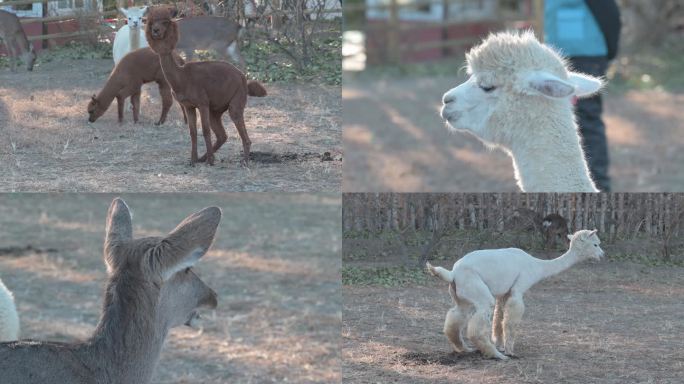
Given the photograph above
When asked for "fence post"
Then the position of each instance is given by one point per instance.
(393, 38)
(538, 23)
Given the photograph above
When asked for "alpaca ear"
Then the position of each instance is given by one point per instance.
(569, 237)
(549, 85)
(585, 85)
(592, 233)
(144, 10)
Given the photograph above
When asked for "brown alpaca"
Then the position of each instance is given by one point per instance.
(135, 69)
(213, 87)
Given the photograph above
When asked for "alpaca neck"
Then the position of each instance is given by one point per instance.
(553, 267)
(110, 90)
(127, 342)
(553, 160)
(172, 71)
(134, 38)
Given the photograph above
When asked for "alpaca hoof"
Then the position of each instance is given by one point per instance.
(244, 163)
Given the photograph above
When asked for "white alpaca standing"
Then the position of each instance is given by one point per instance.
(9, 320)
(131, 36)
(497, 279)
(519, 99)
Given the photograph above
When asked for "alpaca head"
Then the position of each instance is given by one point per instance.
(512, 76)
(161, 31)
(95, 109)
(134, 15)
(587, 244)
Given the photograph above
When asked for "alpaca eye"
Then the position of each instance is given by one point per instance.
(487, 89)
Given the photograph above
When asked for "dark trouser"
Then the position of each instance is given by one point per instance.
(591, 125)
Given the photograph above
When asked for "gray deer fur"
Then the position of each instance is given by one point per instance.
(151, 288)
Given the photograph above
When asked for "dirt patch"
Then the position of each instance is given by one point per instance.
(48, 145)
(610, 322)
(396, 141)
(275, 266)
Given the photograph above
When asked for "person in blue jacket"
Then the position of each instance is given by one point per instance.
(587, 31)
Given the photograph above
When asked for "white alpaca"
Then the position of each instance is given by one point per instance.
(497, 279)
(9, 320)
(131, 36)
(519, 99)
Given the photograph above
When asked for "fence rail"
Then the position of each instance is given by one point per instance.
(618, 214)
(397, 31)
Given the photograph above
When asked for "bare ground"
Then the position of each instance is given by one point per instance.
(395, 141)
(46, 143)
(611, 322)
(275, 266)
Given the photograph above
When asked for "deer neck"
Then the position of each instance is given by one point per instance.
(127, 342)
(552, 160)
(173, 73)
(553, 267)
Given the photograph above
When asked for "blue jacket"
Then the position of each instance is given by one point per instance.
(570, 26)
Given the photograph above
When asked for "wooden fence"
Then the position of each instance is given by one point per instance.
(94, 18)
(618, 214)
(397, 32)
(81, 16)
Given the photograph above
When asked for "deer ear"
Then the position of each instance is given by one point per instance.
(186, 244)
(118, 229)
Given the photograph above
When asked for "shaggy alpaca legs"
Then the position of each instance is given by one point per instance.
(206, 132)
(478, 332)
(513, 313)
(497, 324)
(454, 324)
(192, 125)
(167, 101)
(120, 108)
(219, 131)
(239, 121)
(135, 102)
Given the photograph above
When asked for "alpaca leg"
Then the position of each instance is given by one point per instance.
(206, 132)
(135, 103)
(167, 100)
(497, 326)
(120, 102)
(472, 289)
(219, 131)
(454, 326)
(479, 328)
(12, 54)
(513, 313)
(192, 125)
(236, 114)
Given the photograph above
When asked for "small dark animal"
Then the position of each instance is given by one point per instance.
(135, 69)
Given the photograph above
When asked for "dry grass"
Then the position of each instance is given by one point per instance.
(47, 144)
(275, 266)
(395, 141)
(596, 323)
